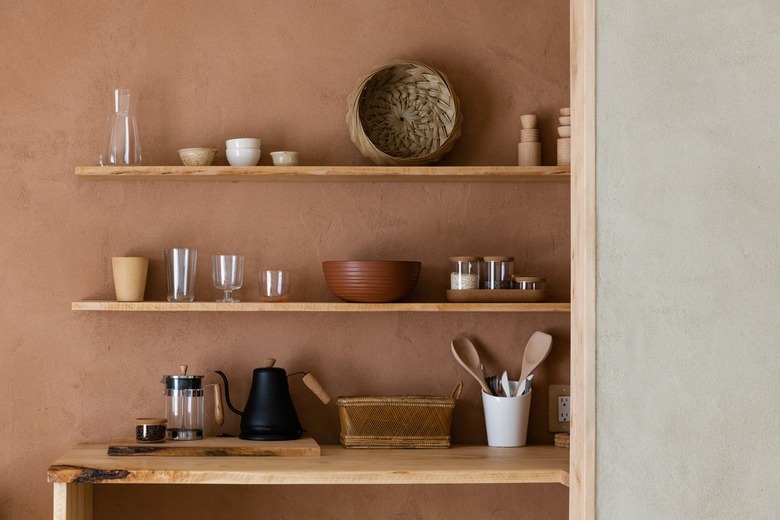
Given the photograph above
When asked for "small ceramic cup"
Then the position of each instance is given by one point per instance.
(197, 156)
(130, 277)
(285, 158)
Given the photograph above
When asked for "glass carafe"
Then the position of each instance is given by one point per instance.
(184, 406)
(121, 146)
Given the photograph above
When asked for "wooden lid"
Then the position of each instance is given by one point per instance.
(520, 278)
(151, 420)
(465, 258)
(499, 259)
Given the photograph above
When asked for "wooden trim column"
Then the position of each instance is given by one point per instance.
(72, 501)
(582, 491)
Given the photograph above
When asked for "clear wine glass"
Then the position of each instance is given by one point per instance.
(228, 274)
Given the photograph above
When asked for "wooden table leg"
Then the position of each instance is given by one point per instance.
(72, 501)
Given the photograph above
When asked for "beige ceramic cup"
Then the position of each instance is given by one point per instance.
(285, 158)
(130, 277)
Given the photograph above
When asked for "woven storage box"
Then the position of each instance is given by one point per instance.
(397, 421)
(404, 113)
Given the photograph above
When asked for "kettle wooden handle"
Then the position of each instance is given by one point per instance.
(311, 382)
(268, 362)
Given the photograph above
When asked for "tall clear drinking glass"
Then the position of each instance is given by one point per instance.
(180, 264)
(227, 272)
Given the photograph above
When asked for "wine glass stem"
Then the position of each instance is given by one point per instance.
(228, 296)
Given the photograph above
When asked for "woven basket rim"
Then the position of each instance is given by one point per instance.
(398, 405)
(369, 149)
(347, 400)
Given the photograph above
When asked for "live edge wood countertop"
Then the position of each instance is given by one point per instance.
(90, 464)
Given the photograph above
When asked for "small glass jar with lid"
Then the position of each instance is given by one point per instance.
(528, 283)
(497, 272)
(465, 272)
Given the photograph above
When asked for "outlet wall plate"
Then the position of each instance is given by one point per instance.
(556, 406)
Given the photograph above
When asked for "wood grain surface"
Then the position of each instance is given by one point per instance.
(217, 447)
(329, 173)
(582, 496)
(95, 305)
(89, 463)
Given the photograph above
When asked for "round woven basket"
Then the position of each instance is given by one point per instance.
(404, 113)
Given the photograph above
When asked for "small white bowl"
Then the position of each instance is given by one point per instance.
(285, 158)
(243, 142)
(564, 131)
(243, 156)
(565, 120)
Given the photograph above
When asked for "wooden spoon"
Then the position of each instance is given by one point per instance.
(536, 350)
(466, 354)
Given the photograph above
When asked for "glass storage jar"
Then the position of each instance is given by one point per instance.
(498, 272)
(150, 429)
(464, 272)
(528, 283)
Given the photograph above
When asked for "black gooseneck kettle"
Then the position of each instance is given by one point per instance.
(269, 414)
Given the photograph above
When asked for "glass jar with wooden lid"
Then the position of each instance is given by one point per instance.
(528, 283)
(498, 271)
(465, 272)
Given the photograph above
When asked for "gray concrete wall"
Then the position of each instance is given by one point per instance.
(688, 261)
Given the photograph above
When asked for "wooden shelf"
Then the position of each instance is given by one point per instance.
(90, 464)
(330, 173)
(316, 307)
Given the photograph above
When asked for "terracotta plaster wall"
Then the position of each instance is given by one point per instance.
(282, 71)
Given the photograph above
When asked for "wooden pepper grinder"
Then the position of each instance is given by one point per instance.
(529, 150)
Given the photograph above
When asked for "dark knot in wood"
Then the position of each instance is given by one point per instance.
(82, 475)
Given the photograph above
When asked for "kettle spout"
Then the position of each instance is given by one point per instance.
(227, 393)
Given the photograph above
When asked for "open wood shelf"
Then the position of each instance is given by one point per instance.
(317, 307)
(332, 173)
(90, 464)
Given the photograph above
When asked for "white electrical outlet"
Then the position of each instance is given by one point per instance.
(559, 408)
(563, 408)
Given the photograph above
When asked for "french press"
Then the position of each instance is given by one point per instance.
(184, 405)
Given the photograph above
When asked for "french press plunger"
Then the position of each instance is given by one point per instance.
(184, 405)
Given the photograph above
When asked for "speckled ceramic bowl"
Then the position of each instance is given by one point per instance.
(197, 156)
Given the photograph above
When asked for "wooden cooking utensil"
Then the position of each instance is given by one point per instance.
(466, 354)
(536, 350)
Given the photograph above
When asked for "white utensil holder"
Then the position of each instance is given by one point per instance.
(506, 418)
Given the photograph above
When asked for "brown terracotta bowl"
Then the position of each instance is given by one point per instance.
(371, 281)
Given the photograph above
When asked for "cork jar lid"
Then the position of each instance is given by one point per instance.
(151, 420)
(521, 278)
(465, 258)
(499, 259)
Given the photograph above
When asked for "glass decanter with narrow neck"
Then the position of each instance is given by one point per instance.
(122, 146)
